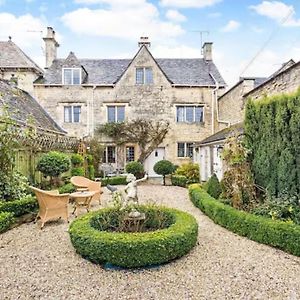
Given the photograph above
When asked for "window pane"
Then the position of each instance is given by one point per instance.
(180, 114)
(104, 158)
(189, 111)
(180, 150)
(111, 113)
(198, 114)
(120, 113)
(129, 154)
(76, 114)
(148, 76)
(76, 76)
(67, 114)
(111, 154)
(67, 76)
(139, 76)
(189, 150)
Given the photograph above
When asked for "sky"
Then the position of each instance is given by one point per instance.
(250, 37)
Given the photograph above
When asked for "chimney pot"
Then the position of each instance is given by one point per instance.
(144, 41)
(207, 51)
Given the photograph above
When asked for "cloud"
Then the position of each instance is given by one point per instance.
(277, 11)
(232, 25)
(122, 21)
(112, 2)
(189, 3)
(175, 15)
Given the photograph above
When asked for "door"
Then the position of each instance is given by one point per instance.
(217, 162)
(157, 155)
(205, 163)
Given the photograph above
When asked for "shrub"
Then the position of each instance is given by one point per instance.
(133, 250)
(53, 164)
(6, 220)
(136, 168)
(77, 160)
(118, 180)
(91, 172)
(190, 171)
(20, 207)
(179, 180)
(67, 189)
(278, 234)
(12, 186)
(213, 186)
(78, 171)
(163, 167)
(89, 159)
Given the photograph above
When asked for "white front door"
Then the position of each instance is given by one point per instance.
(217, 162)
(157, 155)
(205, 163)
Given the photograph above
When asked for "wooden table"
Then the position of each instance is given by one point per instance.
(82, 199)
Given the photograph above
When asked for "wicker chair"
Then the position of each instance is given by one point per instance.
(92, 186)
(52, 205)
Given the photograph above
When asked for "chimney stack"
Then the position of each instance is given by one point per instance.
(51, 46)
(207, 51)
(144, 41)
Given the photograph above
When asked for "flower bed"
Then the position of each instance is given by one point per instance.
(139, 249)
(263, 230)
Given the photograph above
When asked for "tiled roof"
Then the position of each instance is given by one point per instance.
(188, 72)
(22, 106)
(11, 56)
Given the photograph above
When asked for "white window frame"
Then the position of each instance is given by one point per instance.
(185, 149)
(144, 75)
(72, 114)
(72, 77)
(116, 112)
(194, 113)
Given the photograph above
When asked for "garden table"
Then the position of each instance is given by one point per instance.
(82, 199)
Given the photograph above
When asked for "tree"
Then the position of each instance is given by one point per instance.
(164, 167)
(146, 133)
(136, 168)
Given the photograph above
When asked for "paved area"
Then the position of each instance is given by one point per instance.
(42, 264)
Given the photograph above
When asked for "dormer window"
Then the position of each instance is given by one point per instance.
(71, 76)
(144, 76)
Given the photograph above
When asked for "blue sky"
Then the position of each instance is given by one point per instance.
(111, 28)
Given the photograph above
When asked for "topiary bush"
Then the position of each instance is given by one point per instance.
(78, 171)
(6, 220)
(132, 250)
(179, 180)
(77, 159)
(278, 234)
(20, 207)
(190, 171)
(136, 168)
(164, 167)
(67, 189)
(213, 187)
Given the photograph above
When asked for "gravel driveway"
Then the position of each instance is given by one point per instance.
(42, 264)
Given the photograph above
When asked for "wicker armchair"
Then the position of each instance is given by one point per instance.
(52, 205)
(92, 186)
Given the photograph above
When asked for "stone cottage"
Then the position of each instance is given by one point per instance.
(81, 94)
(16, 66)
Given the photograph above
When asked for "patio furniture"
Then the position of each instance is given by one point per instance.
(82, 199)
(52, 205)
(92, 186)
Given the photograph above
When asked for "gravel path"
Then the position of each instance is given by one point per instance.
(37, 264)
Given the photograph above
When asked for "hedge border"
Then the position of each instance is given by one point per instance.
(6, 221)
(132, 250)
(20, 207)
(277, 234)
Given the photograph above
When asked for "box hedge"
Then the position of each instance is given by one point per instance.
(179, 180)
(118, 180)
(20, 207)
(132, 250)
(6, 220)
(278, 234)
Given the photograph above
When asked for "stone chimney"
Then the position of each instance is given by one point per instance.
(144, 41)
(207, 50)
(50, 47)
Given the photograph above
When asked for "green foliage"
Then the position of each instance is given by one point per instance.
(90, 159)
(77, 160)
(190, 171)
(136, 168)
(272, 127)
(53, 163)
(133, 250)
(278, 234)
(164, 167)
(6, 220)
(67, 189)
(27, 204)
(96, 150)
(12, 186)
(213, 186)
(91, 172)
(179, 180)
(117, 180)
(78, 171)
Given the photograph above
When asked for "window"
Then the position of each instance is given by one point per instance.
(189, 114)
(72, 114)
(109, 154)
(144, 76)
(115, 114)
(185, 150)
(71, 76)
(129, 153)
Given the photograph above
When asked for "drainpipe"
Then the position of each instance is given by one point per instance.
(215, 102)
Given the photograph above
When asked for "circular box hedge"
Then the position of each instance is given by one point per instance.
(139, 249)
